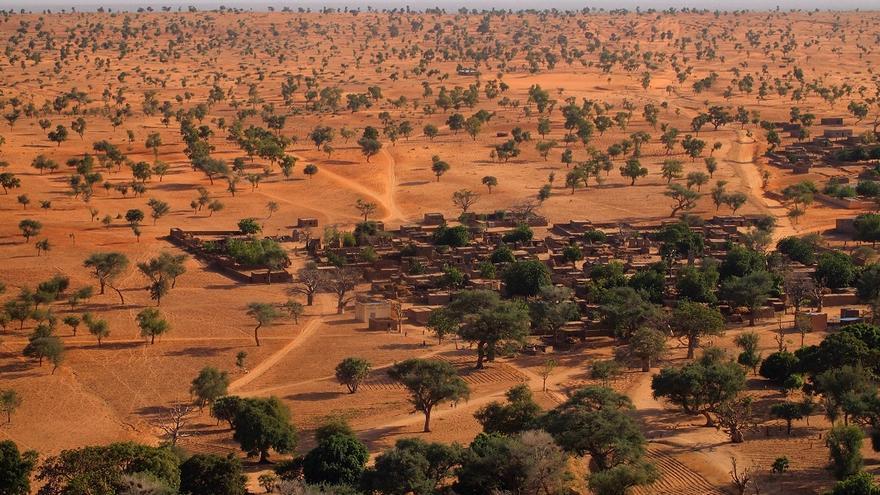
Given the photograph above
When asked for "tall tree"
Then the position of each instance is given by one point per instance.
(429, 382)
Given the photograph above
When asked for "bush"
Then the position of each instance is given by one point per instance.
(778, 366)
(457, 236)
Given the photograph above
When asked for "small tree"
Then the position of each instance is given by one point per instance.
(264, 314)
(490, 181)
(439, 167)
(366, 208)
(429, 382)
(633, 169)
(10, 401)
(209, 385)
(789, 412)
(29, 228)
(152, 324)
(464, 199)
(647, 344)
(351, 372)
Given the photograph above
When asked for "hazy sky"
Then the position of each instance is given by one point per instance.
(36, 5)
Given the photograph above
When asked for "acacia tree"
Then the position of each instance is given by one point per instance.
(152, 324)
(366, 208)
(464, 199)
(429, 382)
(264, 314)
(107, 267)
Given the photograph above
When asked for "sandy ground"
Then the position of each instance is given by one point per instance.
(118, 390)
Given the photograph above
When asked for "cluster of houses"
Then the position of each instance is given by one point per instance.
(393, 278)
(801, 156)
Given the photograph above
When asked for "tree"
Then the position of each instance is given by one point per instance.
(844, 445)
(158, 209)
(671, 169)
(309, 280)
(10, 401)
(366, 208)
(104, 470)
(520, 414)
(79, 126)
(777, 367)
(59, 135)
(619, 479)
(98, 328)
(748, 343)
(683, 198)
(490, 181)
(694, 321)
(263, 314)
(412, 466)
(341, 282)
(370, 146)
(735, 201)
(596, 421)
(464, 199)
(438, 166)
(750, 290)
(700, 387)
(789, 412)
(294, 310)
(711, 165)
(430, 131)
(210, 474)
(861, 483)
(249, 226)
(834, 270)
(339, 457)
(351, 372)
(43, 246)
(429, 382)
(43, 345)
(154, 140)
(647, 344)
(209, 385)
(489, 322)
(29, 228)
(633, 169)
(735, 417)
(867, 228)
(152, 324)
(525, 278)
(15, 469)
(263, 424)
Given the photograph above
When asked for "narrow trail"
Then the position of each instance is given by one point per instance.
(750, 176)
(385, 198)
(534, 382)
(278, 388)
(267, 364)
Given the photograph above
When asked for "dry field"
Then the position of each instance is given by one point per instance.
(115, 391)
